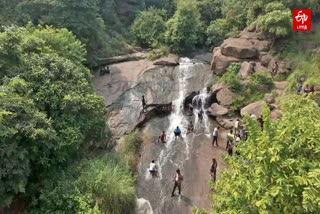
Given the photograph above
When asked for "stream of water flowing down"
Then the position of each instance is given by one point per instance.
(191, 153)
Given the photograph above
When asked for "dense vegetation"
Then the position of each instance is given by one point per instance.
(50, 119)
(278, 168)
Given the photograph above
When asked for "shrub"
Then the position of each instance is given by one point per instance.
(131, 147)
(232, 78)
(149, 27)
(96, 186)
(217, 32)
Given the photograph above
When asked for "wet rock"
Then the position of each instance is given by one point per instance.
(189, 98)
(221, 62)
(225, 97)
(269, 98)
(253, 108)
(226, 123)
(217, 110)
(205, 57)
(265, 60)
(245, 70)
(276, 114)
(239, 48)
(143, 207)
(171, 60)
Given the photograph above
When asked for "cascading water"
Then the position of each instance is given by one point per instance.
(180, 153)
(200, 104)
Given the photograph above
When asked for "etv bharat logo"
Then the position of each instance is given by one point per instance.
(301, 20)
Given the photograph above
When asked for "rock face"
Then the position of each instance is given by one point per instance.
(143, 207)
(269, 98)
(261, 45)
(245, 70)
(276, 114)
(225, 97)
(253, 108)
(217, 110)
(171, 60)
(239, 48)
(226, 123)
(221, 62)
(265, 59)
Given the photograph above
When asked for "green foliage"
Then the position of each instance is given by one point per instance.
(209, 10)
(253, 90)
(277, 19)
(48, 106)
(217, 32)
(96, 186)
(232, 78)
(149, 27)
(131, 147)
(184, 28)
(277, 167)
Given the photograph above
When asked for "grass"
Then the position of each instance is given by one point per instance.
(132, 143)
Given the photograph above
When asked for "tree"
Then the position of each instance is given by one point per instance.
(277, 169)
(210, 10)
(184, 28)
(149, 27)
(217, 32)
(276, 19)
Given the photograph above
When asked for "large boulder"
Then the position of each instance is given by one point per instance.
(258, 67)
(265, 59)
(276, 114)
(227, 123)
(253, 108)
(261, 45)
(269, 98)
(217, 110)
(216, 87)
(221, 62)
(225, 97)
(239, 48)
(245, 70)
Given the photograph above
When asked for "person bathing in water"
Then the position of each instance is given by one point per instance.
(200, 115)
(178, 179)
(163, 137)
(190, 128)
(153, 168)
(177, 132)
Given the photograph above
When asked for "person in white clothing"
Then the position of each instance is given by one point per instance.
(215, 136)
(153, 168)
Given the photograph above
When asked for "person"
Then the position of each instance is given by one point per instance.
(306, 89)
(190, 108)
(238, 139)
(144, 105)
(260, 120)
(236, 126)
(230, 149)
(230, 138)
(170, 107)
(153, 168)
(213, 170)
(190, 127)
(275, 68)
(163, 137)
(105, 70)
(299, 87)
(312, 89)
(200, 115)
(215, 136)
(178, 179)
(177, 132)
(253, 67)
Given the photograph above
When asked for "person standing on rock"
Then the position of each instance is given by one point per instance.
(275, 68)
(178, 179)
(153, 168)
(213, 170)
(215, 136)
(144, 105)
(200, 115)
(190, 128)
(230, 138)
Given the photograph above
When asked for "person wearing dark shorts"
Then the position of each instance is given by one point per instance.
(177, 132)
(215, 136)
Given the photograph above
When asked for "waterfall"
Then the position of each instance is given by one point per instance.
(200, 103)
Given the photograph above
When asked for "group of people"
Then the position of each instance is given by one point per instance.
(306, 90)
